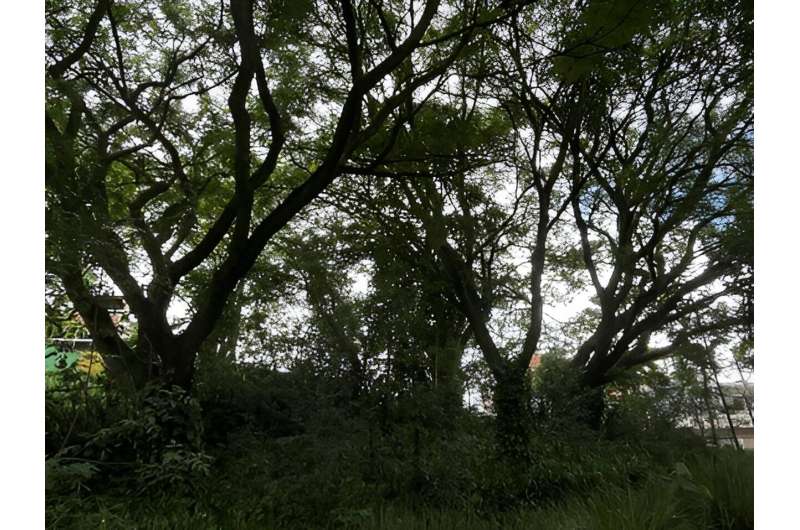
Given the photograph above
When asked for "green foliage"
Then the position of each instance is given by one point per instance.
(67, 477)
(679, 500)
(424, 202)
(150, 443)
(649, 405)
(282, 450)
(560, 399)
(162, 418)
(602, 29)
(176, 467)
(74, 404)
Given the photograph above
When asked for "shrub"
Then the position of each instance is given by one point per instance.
(151, 442)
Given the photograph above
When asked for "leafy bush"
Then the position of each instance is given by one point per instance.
(254, 398)
(65, 476)
(148, 442)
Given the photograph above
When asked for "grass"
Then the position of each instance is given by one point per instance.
(713, 490)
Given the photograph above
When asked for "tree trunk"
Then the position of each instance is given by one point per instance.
(697, 411)
(177, 363)
(512, 405)
(593, 407)
(179, 370)
(591, 401)
(709, 407)
(229, 340)
(725, 405)
(447, 375)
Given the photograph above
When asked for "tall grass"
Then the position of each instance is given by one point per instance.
(711, 490)
(720, 485)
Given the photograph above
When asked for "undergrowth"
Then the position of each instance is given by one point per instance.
(277, 454)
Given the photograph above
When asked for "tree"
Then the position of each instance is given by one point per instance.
(632, 131)
(497, 161)
(181, 137)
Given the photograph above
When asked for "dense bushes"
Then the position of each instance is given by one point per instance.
(677, 500)
(145, 443)
(287, 450)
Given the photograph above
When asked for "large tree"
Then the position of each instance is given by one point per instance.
(182, 136)
(631, 174)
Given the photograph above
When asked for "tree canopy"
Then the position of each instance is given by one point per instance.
(421, 178)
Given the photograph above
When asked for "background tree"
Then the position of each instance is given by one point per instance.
(632, 127)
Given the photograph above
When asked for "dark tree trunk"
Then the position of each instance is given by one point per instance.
(591, 401)
(512, 405)
(179, 370)
(125, 368)
(177, 363)
(593, 407)
(447, 375)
